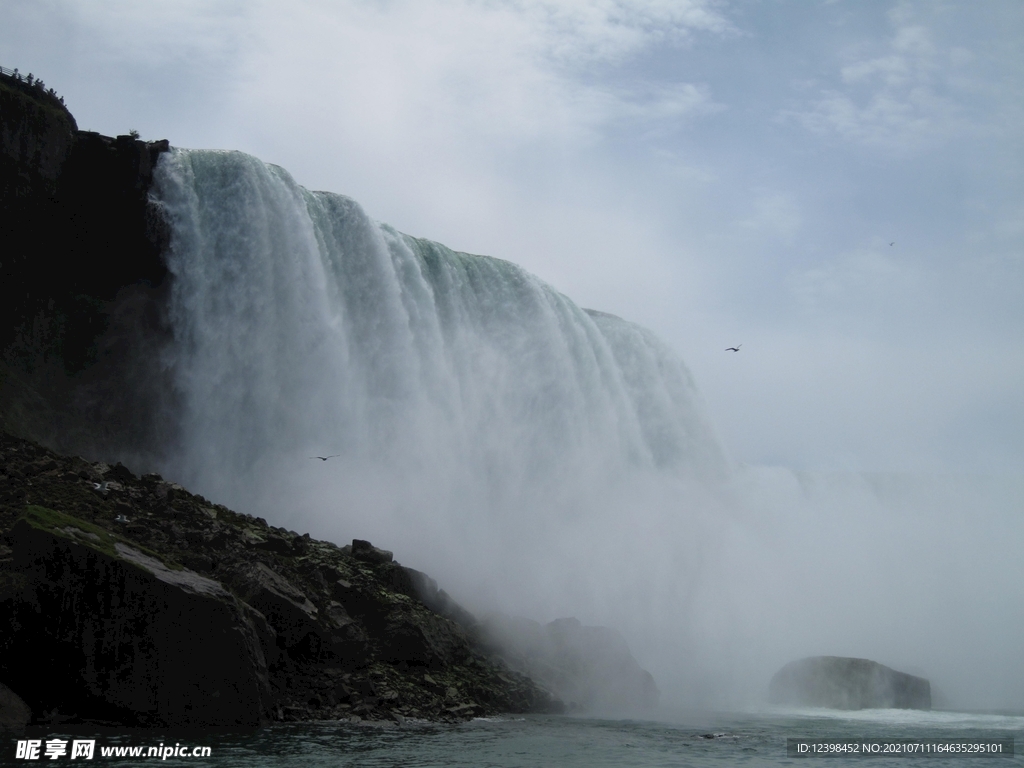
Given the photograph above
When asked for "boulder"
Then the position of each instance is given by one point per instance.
(838, 682)
(286, 608)
(364, 550)
(126, 637)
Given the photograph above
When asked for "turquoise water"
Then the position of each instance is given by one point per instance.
(694, 739)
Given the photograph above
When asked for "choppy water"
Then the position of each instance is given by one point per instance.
(696, 739)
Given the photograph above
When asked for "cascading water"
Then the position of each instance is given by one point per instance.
(533, 456)
(302, 327)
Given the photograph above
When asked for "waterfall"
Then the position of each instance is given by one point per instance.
(303, 327)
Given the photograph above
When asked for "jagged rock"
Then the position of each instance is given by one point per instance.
(287, 609)
(838, 682)
(589, 668)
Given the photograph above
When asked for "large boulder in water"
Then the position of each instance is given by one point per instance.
(837, 682)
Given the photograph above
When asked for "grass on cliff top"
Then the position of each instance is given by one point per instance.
(100, 539)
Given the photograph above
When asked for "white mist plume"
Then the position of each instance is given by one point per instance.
(544, 460)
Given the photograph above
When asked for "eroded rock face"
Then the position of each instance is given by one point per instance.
(838, 682)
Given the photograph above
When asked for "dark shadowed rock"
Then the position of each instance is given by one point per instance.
(419, 585)
(120, 636)
(364, 550)
(838, 682)
(301, 628)
(286, 608)
(83, 295)
(14, 713)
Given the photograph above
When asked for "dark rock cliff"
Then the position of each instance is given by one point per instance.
(843, 683)
(131, 601)
(83, 285)
(36, 136)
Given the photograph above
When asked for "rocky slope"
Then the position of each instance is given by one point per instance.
(155, 606)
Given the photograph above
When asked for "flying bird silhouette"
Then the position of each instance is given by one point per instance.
(893, 243)
(325, 458)
(733, 349)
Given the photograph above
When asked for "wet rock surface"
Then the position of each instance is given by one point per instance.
(838, 682)
(156, 606)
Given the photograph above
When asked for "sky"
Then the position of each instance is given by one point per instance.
(837, 186)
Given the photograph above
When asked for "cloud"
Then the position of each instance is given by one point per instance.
(517, 71)
(584, 32)
(913, 94)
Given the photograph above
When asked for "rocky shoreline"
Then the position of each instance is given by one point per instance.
(159, 607)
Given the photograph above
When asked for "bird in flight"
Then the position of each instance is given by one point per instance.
(325, 458)
(733, 349)
(893, 243)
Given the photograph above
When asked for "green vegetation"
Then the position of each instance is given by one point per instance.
(93, 536)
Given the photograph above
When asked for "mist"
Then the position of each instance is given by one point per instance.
(545, 461)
